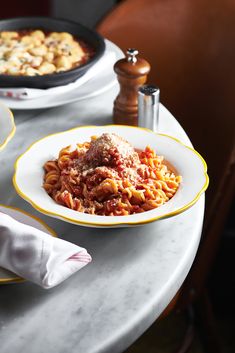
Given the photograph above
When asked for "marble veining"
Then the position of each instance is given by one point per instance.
(134, 274)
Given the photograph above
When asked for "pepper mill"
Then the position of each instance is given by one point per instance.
(131, 73)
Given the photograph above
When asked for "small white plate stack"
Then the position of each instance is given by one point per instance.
(7, 126)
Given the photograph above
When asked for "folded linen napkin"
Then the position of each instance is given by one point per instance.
(36, 255)
(108, 58)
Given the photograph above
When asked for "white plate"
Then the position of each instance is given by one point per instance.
(24, 217)
(188, 163)
(102, 82)
(7, 126)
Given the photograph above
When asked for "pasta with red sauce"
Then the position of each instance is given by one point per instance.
(107, 176)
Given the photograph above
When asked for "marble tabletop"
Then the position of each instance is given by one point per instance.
(134, 274)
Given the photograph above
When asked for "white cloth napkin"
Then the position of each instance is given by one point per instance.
(30, 93)
(38, 256)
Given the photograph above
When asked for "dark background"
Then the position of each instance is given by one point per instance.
(87, 12)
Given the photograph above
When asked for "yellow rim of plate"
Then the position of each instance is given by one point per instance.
(50, 230)
(58, 215)
(11, 134)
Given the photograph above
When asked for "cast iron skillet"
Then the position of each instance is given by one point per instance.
(89, 36)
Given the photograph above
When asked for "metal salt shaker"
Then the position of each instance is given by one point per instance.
(148, 107)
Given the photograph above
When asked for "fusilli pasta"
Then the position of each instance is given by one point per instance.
(108, 177)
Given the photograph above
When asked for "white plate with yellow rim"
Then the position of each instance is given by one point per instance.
(7, 126)
(23, 217)
(188, 163)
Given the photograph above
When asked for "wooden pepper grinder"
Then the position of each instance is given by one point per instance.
(131, 73)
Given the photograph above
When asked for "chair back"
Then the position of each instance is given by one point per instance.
(190, 46)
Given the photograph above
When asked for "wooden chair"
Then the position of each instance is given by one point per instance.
(190, 46)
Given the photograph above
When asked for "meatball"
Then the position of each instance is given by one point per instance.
(111, 150)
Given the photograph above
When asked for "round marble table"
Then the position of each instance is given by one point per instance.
(134, 274)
